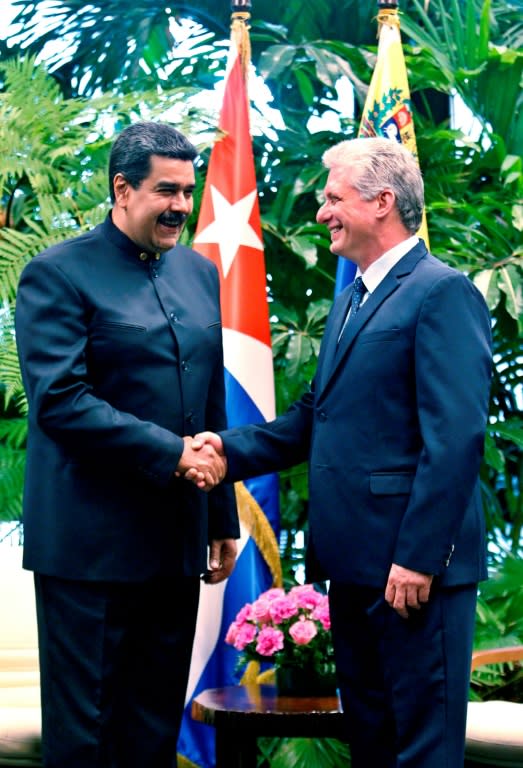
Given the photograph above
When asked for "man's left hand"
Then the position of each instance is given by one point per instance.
(407, 589)
(222, 559)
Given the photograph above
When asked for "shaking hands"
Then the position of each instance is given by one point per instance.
(203, 460)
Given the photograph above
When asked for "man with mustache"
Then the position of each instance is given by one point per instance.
(119, 338)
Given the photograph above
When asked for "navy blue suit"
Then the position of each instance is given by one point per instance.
(121, 354)
(393, 430)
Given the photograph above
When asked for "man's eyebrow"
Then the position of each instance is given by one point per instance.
(174, 186)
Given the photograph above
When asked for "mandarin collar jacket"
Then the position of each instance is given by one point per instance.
(121, 355)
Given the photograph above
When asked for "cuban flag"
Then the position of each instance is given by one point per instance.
(229, 233)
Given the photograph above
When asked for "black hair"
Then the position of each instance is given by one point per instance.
(132, 150)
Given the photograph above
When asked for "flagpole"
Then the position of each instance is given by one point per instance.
(240, 16)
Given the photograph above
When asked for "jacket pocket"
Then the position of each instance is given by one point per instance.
(117, 327)
(391, 483)
(392, 334)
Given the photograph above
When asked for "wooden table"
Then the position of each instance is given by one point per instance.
(242, 713)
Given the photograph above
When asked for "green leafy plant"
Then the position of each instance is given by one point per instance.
(499, 623)
(300, 753)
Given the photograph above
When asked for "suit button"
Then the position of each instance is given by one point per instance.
(189, 417)
(185, 365)
(322, 416)
(173, 317)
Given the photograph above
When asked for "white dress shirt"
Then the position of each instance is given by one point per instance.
(380, 268)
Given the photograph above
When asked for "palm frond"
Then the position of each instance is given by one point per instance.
(12, 464)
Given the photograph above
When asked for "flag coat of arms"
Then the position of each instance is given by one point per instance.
(229, 233)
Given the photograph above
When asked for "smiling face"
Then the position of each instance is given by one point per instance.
(153, 215)
(350, 219)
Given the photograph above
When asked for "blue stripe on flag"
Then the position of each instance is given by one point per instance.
(250, 577)
(345, 272)
(242, 410)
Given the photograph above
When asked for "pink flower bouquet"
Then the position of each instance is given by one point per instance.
(285, 628)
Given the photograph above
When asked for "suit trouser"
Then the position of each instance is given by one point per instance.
(404, 682)
(114, 664)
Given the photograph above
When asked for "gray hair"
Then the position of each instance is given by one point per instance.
(377, 164)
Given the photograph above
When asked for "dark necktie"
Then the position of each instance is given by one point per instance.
(357, 295)
(358, 292)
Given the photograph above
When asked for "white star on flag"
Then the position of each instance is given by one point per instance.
(230, 227)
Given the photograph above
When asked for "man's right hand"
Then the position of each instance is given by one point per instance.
(201, 463)
(205, 442)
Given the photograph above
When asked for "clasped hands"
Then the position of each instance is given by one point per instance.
(204, 463)
(203, 460)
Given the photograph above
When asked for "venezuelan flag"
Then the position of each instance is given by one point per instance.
(387, 111)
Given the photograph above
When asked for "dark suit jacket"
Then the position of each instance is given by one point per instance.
(120, 356)
(393, 429)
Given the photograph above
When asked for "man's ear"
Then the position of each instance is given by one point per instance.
(386, 201)
(121, 189)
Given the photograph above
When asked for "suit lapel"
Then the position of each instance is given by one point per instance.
(333, 330)
(336, 353)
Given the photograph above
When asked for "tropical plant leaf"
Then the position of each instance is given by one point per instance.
(320, 753)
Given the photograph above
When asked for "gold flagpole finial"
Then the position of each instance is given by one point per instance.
(388, 13)
(240, 32)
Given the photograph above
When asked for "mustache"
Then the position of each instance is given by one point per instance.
(172, 219)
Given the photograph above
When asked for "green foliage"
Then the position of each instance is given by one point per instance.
(302, 753)
(500, 613)
(499, 623)
(458, 37)
(314, 67)
(139, 46)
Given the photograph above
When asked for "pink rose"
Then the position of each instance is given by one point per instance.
(303, 631)
(232, 632)
(306, 596)
(282, 608)
(261, 610)
(270, 641)
(244, 614)
(321, 613)
(244, 635)
(271, 594)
